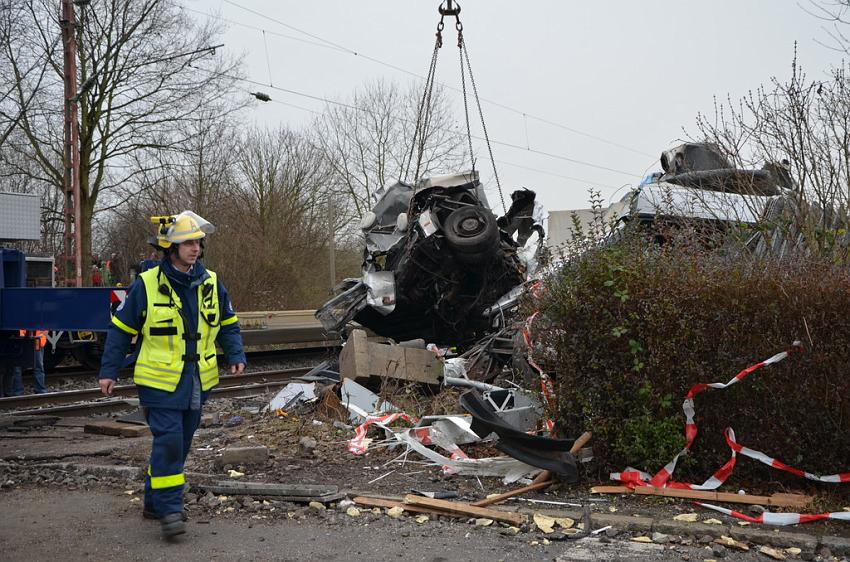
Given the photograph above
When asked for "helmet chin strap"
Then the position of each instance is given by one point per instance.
(179, 263)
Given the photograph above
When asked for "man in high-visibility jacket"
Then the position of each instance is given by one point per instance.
(37, 365)
(179, 310)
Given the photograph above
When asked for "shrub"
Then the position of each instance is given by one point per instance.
(630, 327)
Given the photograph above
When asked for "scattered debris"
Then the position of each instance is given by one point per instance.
(395, 512)
(306, 446)
(362, 402)
(244, 456)
(361, 359)
(446, 495)
(797, 501)
(542, 452)
(233, 421)
(772, 552)
(464, 509)
(483, 522)
(352, 512)
(502, 497)
(390, 504)
(546, 524)
(729, 542)
(687, 517)
(117, 429)
(235, 474)
(642, 539)
(291, 395)
(299, 493)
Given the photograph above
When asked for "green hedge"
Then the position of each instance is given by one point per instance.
(630, 327)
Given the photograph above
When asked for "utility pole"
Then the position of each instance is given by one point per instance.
(72, 241)
(331, 243)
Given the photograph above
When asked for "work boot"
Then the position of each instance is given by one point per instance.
(172, 525)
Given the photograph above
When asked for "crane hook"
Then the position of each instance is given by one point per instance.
(452, 8)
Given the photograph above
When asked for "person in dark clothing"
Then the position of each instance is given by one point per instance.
(179, 310)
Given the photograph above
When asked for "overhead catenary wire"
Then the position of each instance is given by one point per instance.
(348, 50)
(494, 141)
(499, 161)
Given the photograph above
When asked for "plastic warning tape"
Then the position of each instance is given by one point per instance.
(662, 479)
(546, 386)
(771, 518)
(358, 444)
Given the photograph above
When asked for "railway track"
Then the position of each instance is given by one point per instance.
(91, 400)
(78, 371)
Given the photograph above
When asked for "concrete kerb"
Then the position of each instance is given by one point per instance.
(118, 471)
(633, 523)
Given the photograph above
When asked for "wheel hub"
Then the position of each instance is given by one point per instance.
(471, 226)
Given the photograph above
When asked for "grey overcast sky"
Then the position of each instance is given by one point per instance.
(633, 73)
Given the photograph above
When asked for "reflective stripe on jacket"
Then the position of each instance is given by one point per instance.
(40, 335)
(163, 353)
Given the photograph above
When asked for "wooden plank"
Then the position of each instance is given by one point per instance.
(116, 428)
(380, 502)
(464, 509)
(610, 490)
(797, 501)
(512, 493)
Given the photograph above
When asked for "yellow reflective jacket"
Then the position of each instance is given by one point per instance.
(163, 354)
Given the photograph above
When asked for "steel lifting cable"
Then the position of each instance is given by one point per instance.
(464, 54)
(424, 110)
(423, 116)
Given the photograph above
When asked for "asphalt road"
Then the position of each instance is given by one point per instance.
(50, 524)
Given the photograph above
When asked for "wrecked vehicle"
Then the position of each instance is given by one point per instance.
(698, 185)
(436, 258)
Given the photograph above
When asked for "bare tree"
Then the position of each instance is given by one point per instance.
(836, 15)
(27, 77)
(280, 212)
(367, 142)
(805, 124)
(146, 70)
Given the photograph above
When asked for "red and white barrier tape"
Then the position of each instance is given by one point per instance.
(359, 443)
(546, 386)
(662, 479)
(770, 518)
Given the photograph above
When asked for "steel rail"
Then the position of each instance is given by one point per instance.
(76, 371)
(256, 379)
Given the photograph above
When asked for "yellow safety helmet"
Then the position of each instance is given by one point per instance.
(174, 229)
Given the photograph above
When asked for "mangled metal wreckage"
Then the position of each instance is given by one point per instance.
(440, 267)
(436, 261)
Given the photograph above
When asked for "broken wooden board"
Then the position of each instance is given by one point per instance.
(117, 429)
(519, 491)
(361, 359)
(381, 502)
(464, 509)
(797, 501)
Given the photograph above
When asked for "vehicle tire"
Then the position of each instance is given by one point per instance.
(472, 230)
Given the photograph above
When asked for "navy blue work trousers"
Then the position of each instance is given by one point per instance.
(172, 439)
